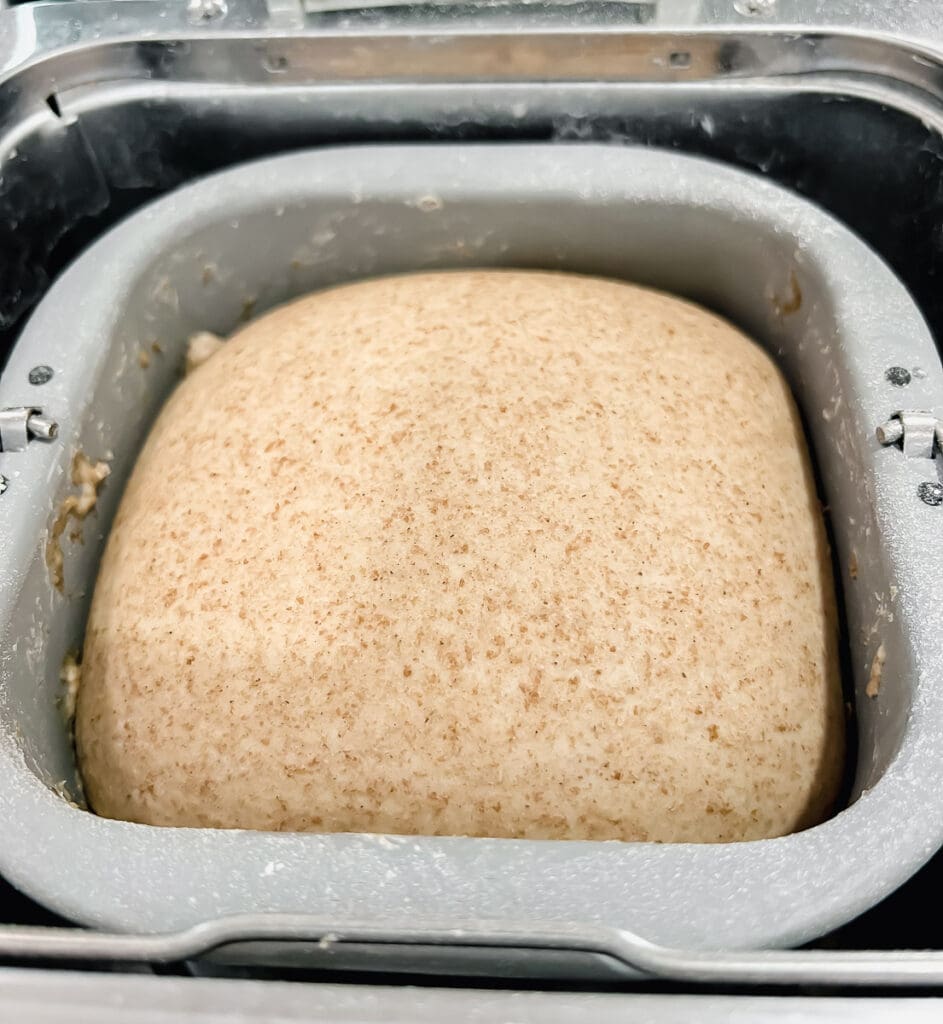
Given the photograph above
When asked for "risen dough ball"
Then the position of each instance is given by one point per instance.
(484, 553)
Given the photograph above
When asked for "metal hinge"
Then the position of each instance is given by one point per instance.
(24, 424)
(919, 434)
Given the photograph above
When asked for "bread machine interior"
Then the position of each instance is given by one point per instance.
(408, 740)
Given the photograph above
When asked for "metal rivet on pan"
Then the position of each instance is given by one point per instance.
(931, 493)
(890, 432)
(42, 428)
(40, 375)
(752, 8)
(24, 424)
(206, 10)
(898, 376)
(919, 433)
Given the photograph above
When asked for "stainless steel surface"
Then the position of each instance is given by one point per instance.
(47, 997)
(238, 45)
(69, 73)
(20, 425)
(640, 11)
(320, 940)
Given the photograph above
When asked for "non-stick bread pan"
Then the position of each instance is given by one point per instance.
(844, 330)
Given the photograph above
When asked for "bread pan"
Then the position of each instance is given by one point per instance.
(844, 330)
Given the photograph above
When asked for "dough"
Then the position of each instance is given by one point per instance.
(488, 553)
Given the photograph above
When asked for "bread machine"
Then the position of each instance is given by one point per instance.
(456, 140)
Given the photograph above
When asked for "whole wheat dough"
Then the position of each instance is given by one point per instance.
(485, 553)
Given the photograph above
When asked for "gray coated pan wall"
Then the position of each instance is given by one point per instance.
(256, 235)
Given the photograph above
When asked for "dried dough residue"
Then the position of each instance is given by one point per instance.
(877, 667)
(73, 799)
(87, 476)
(200, 347)
(792, 302)
(71, 677)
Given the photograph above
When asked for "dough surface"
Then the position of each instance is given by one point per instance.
(488, 553)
